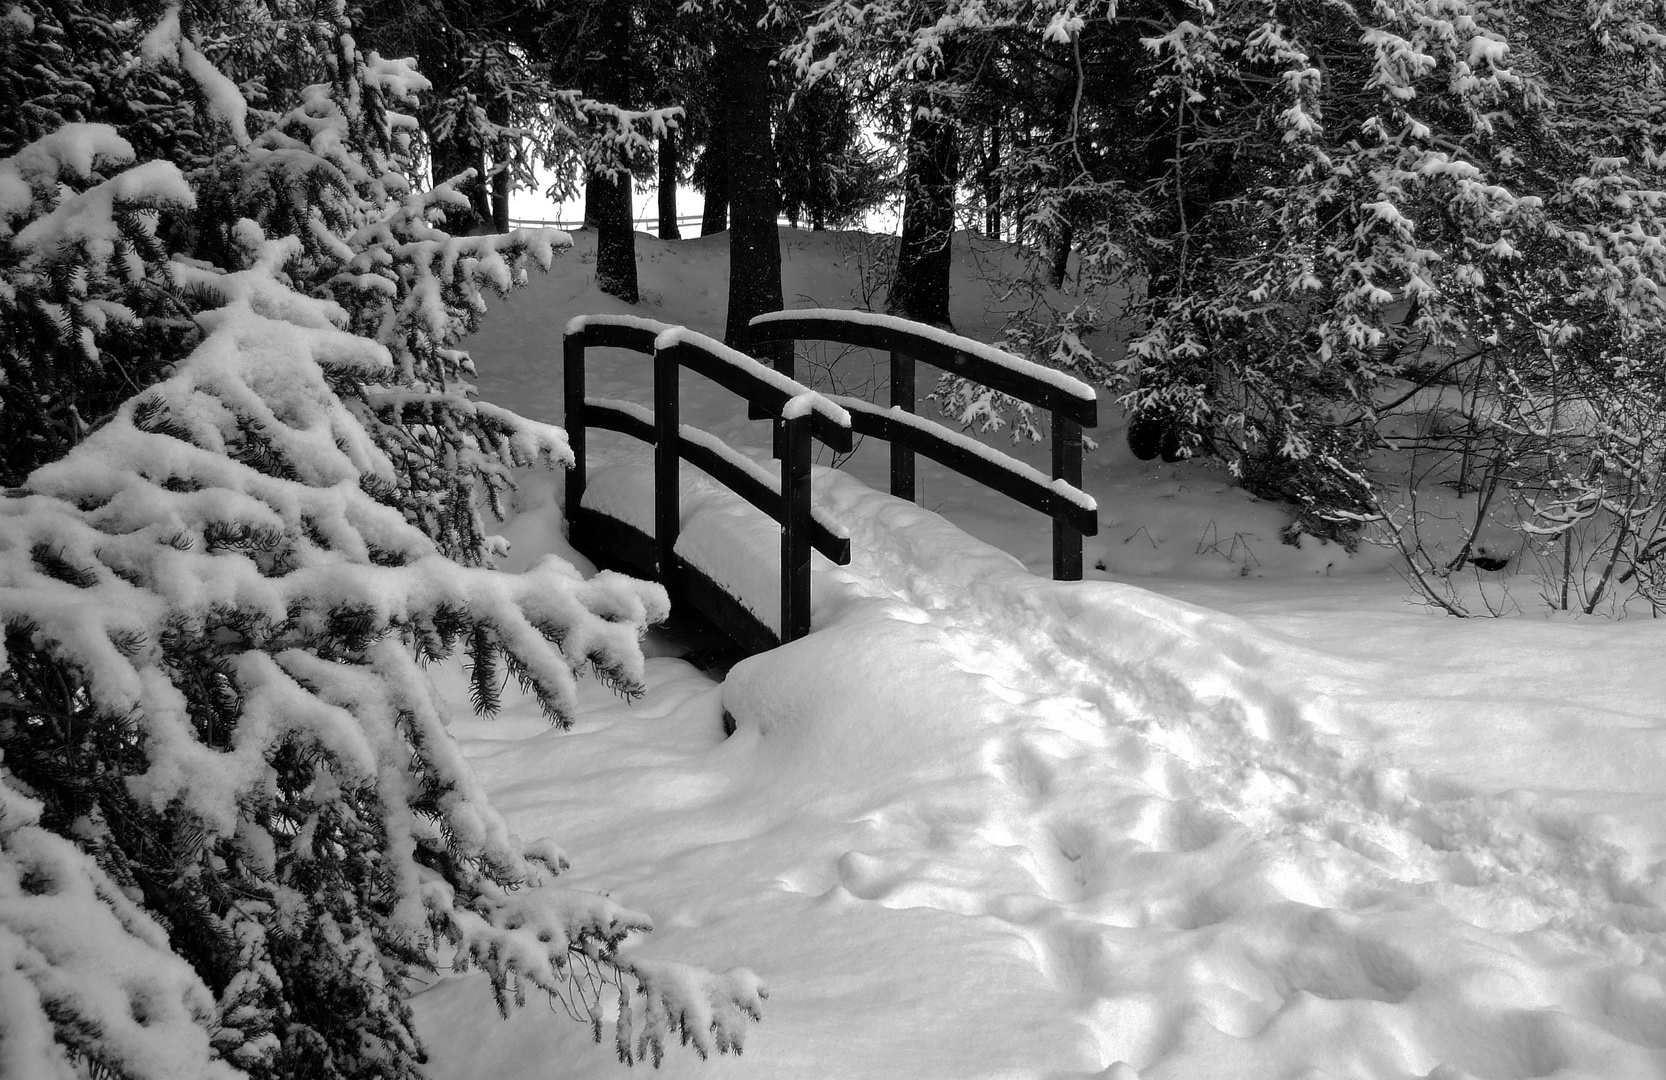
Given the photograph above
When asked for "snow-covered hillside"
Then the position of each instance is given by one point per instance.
(1228, 809)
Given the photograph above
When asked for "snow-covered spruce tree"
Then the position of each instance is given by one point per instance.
(829, 176)
(231, 820)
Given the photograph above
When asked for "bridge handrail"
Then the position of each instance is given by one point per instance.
(750, 481)
(996, 368)
(778, 394)
(964, 454)
(728, 466)
(797, 410)
(1072, 403)
(616, 331)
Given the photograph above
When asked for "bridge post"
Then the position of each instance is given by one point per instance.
(1067, 466)
(902, 396)
(667, 459)
(795, 527)
(572, 394)
(781, 355)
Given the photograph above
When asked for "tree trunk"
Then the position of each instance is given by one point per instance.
(609, 198)
(498, 112)
(754, 242)
(715, 166)
(593, 199)
(480, 193)
(1060, 260)
(992, 184)
(668, 168)
(920, 285)
(500, 201)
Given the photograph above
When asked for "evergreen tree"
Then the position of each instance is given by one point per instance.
(827, 173)
(231, 820)
(1355, 202)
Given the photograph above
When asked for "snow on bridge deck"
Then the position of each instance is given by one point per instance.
(735, 544)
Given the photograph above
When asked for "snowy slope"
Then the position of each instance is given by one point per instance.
(986, 825)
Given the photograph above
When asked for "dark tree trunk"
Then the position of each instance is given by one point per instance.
(609, 198)
(715, 167)
(755, 198)
(498, 113)
(920, 285)
(668, 168)
(480, 193)
(500, 201)
(593, 199)
(992, 184)
(1059, 262)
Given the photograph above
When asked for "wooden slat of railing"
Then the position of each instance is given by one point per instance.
(573, 414)
(608, 415)
(601, 331)
(770, 399)
(610, 335)
(784, 326)
(1067, 400)
(872, 420)
(667, 458)
(902, 397)
(630, 419)
(761, 495)
(795, 527)
(789, 504)
(1067, 534)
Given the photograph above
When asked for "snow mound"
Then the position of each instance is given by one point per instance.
(983, 824)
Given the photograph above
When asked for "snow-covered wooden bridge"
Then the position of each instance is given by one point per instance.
(719, 576)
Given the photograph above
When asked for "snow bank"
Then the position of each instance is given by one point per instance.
(982, 824)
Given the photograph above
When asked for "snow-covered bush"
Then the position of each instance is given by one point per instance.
(232, 823)
(1318, 214)
(1375, 199)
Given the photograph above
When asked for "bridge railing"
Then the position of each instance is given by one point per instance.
(799, 414)
(1071, 403)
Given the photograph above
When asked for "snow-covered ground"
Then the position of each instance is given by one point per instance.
(1228, 809)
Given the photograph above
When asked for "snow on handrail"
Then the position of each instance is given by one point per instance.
(800, 414)
(933, 438)
(833, 540)
(972, 446)
(1072, 403)
(579, 323)
(1052, 377)
(800, 398)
